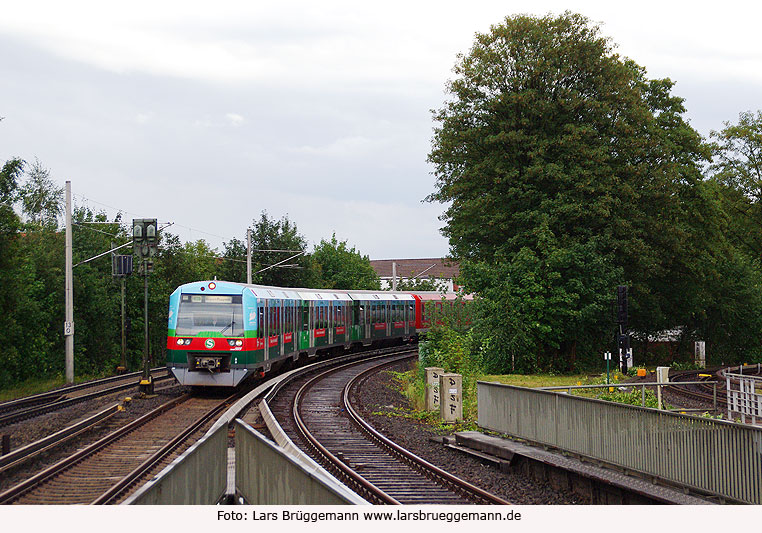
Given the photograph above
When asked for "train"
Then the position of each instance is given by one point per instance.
(221, 333)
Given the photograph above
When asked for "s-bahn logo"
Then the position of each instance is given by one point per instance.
(209, 343)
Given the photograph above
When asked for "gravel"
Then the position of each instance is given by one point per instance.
(31, 430)
(382, 404)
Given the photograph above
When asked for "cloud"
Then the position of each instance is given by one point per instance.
(343, 147)
(143, 118)
(234, 119)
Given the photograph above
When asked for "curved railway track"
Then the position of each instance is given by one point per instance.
(320, 416)
(703, 393)
(713, 388)
(23, 408)
(109, 469)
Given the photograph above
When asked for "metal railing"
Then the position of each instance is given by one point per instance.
(711, 456)
(621, 386)
(743, 398)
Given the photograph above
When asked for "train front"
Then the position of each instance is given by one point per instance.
(207, 339)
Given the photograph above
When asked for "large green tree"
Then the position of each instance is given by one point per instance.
(342, 267)
(567, 172)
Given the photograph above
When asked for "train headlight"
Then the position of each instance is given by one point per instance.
(180, 341)
(239, 343)
(187, 342)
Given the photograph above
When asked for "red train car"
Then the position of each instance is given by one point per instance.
(438, 300)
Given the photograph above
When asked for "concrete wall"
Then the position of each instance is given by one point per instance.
(266, 475)
(197, 477)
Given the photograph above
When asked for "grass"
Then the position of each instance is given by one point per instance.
(36, 386)
(542, 380)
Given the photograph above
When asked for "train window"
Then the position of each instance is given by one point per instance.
(261, 322)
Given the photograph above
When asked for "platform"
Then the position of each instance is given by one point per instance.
(603, 485)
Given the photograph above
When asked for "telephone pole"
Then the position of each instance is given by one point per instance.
(248, 256)
(69, 290)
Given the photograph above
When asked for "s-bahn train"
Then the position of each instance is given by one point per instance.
(220, 333)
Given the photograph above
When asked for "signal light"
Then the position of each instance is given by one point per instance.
(212, 286)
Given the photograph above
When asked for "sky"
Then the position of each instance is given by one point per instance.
(204, 114)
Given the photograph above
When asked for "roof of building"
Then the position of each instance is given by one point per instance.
(422, 268)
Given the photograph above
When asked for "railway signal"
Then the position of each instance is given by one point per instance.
(145, 242)
(622, 338)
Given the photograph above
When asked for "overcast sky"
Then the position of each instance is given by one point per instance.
(206, 113)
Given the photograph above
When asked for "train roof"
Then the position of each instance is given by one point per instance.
(288, 293)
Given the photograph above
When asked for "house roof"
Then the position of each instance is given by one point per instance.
(422, 268)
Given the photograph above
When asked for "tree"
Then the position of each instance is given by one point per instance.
(342, 267)
(41, 201)
(233, 265)
(737, 171)
(279, 254)
(567, 172)
(10, 269)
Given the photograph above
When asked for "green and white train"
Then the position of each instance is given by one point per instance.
(220, 333)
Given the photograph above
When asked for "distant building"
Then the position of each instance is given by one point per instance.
(438, 269)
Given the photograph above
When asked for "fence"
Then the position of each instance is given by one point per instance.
(713, 456)
(743, 398)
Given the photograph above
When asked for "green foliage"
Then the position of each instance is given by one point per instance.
(631, 397)
(568, 172)
(275, 245)
(32, 280)
(341, 267)
(232, 267)
(41, 200)
(452, 347)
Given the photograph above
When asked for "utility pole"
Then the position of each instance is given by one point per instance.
(69, 290)
(248, 256)
(394, 276)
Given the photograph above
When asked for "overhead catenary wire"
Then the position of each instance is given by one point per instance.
(168, 224)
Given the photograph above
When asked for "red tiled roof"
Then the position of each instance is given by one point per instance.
(410, 268)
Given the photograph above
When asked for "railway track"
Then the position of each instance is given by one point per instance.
(20, 409)
(109, 469)
(712, 390)
(704, 393)
(317, 413)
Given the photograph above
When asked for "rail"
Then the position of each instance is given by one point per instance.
(198, 476)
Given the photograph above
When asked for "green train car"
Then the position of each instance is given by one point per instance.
(220, 333)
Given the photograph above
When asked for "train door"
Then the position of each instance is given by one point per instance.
(329, 310)
(281, 326)
(312, 323)
(366, 319)
(266, 329)
(388, 318)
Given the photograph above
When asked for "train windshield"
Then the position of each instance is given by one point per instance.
(210, 313)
